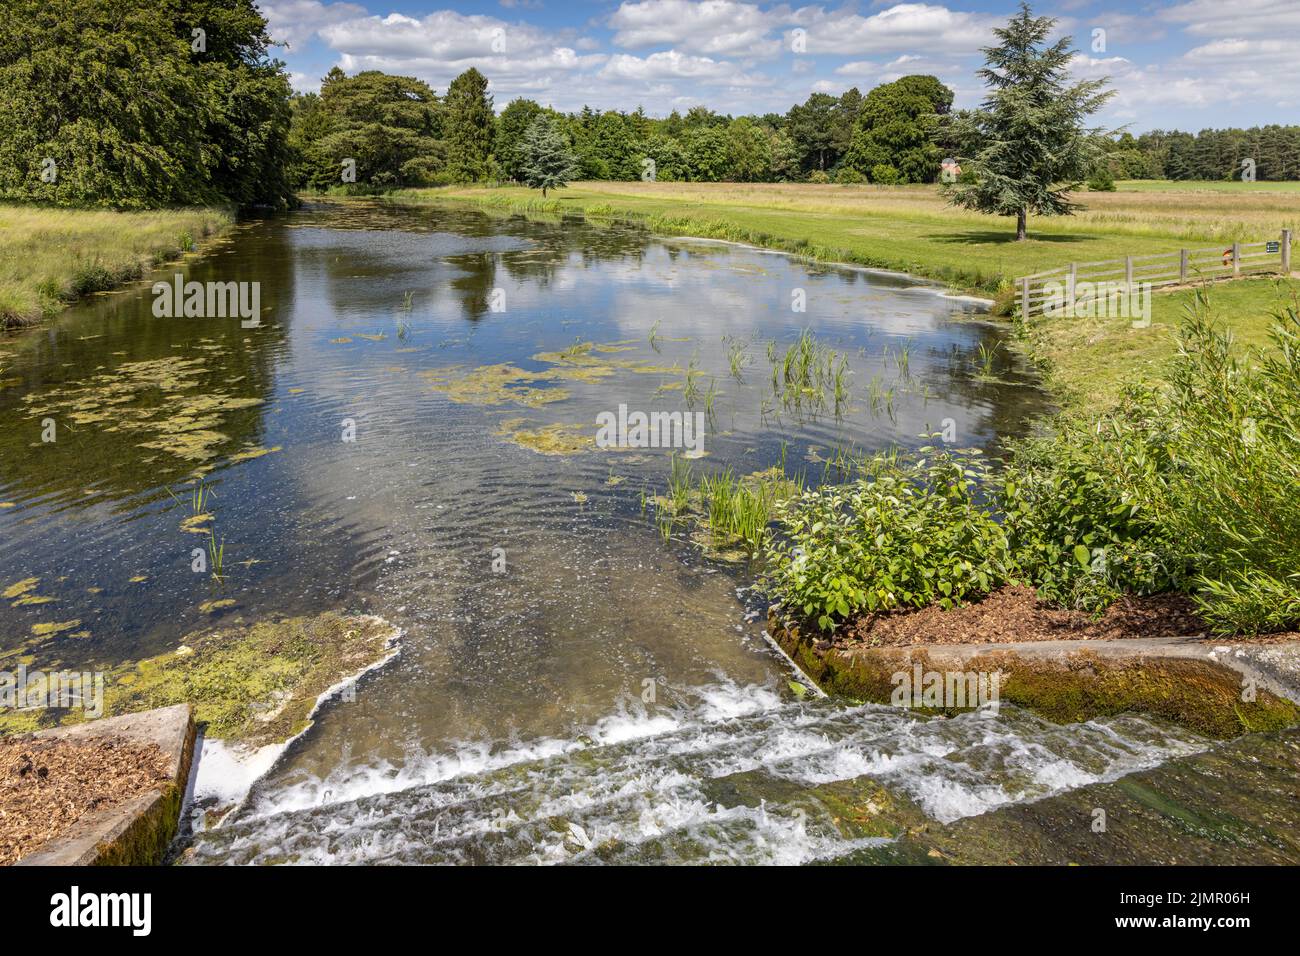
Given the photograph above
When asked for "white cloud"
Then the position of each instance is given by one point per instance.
(905, 28)
(710, 27)
(294, 22)
(672, 65)
(1215, 18)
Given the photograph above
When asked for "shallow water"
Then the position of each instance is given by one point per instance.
(370, 314)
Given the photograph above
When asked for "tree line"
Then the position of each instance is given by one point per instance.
(378, 130)
(139, 103)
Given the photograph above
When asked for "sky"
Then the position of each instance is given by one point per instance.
(1174, 64)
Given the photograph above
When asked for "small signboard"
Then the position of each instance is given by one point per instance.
(1272, 247)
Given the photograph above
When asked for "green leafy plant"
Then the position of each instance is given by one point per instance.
(910, 533)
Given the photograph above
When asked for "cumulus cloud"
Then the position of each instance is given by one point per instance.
(1215, 18)
(672, 65)
(294, 22)
(711, 27)
(919, 28)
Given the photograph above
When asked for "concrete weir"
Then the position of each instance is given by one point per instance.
(137, 832)
(1221, 690)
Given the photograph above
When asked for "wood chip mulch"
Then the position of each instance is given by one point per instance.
(1015, 614)
(46, 785)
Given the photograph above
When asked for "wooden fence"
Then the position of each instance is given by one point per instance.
(1080, 282)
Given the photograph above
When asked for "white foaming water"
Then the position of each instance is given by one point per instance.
(706, 782)
(718, 702)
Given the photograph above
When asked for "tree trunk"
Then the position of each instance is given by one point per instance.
(543, 192)
(1021, 232)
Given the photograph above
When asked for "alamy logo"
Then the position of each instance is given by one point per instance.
(103, 909)
(208, 300)
(947, 689)
(36, 690)
(654, 430)
(1099, 300)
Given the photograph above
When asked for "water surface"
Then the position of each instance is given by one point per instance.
(371, 313)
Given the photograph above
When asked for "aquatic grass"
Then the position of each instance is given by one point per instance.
(691, 392)
(987, 356)
(737, 359)
(216, 556)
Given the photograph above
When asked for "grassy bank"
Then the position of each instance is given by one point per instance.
(50, 257)
(912, 229)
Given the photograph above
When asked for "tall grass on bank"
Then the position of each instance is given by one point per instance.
(49, 257)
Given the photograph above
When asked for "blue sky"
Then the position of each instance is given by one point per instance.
(1186, 64)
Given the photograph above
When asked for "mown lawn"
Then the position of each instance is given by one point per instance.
(49, 257)
(912, 229)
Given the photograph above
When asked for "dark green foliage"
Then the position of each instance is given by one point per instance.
(547, 160)
(896, 130)
(132, 113)
(388, 126)
(1026, 147)
(469, 128)
(512, 124)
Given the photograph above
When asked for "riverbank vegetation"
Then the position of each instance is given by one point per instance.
(1186, 486)
(52, 256)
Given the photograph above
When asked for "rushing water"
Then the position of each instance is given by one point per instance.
(372, 317)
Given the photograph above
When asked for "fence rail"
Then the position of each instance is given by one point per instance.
(1081, 282)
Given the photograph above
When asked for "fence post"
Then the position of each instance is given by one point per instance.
(1072, 282)
(1236, 258)
(1128, 272)
(1182, 267)
(1024, 299)
(1286, 252)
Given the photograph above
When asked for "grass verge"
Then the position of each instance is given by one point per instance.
(50, 257)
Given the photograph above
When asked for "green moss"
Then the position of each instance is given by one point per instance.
(548, 439)
(1202, 695)
(255, 684)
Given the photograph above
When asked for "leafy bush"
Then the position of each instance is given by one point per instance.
(1192, 486)
(1101, 181)
(1080, 509)
(907, 535)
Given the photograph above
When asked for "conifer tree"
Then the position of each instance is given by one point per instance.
(548, 162)
(1027, 146)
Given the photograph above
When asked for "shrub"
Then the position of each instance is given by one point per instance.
(1101, 181)
(907, 535)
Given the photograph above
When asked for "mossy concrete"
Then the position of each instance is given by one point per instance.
(137, 832)
(1234, 804)
(1206, 687)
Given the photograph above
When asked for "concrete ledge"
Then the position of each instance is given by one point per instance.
(137, 832)
(1191, 682)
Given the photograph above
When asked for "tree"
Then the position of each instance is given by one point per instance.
(706, 154)
(812, 125)
(749, 157)
(897, 125)
(512, 124)
(133, 110)
(548, 162)
(1031, 149)
(388, 127)
(469, 127)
